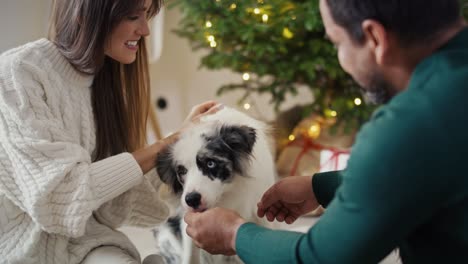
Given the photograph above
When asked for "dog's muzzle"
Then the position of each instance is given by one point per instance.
(193, 199)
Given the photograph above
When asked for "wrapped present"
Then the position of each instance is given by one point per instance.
(312, 148)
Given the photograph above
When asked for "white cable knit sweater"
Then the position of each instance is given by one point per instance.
(55, 204)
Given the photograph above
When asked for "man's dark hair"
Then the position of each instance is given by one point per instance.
(412, 20)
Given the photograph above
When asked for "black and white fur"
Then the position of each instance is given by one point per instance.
(224, 161)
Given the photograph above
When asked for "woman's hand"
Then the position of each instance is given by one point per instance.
(214, 230)
(198, 111)
(146, 157)
(288, 199)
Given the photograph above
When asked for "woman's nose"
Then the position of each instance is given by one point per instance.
(144, 29)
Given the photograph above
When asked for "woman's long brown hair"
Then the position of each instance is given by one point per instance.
(120, 93)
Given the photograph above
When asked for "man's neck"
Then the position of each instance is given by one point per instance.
(414, 55)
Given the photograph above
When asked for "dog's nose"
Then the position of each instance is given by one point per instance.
(193, 199)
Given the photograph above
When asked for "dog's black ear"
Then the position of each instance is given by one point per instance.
(166, 170)
(239, 138)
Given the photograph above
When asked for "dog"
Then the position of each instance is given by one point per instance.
(224, 161)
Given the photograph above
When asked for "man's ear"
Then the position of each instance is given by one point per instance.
(377, 38)
(165, 167)
(239, 138)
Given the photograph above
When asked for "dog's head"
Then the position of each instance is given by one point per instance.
(203, 163)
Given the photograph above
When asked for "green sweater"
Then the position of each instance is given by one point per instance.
(405, 186)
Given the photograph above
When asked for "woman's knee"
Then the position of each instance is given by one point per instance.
(109, 255)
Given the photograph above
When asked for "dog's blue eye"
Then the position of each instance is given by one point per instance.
(211, 164)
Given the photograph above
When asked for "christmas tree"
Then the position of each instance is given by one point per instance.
(277, 46)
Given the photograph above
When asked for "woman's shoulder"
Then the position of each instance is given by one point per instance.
(35, 53)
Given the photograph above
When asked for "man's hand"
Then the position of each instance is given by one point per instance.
(214, 230)
(288, 199)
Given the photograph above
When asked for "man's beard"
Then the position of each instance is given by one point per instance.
(379, 91)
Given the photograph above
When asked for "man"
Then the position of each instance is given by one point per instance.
(406, 185)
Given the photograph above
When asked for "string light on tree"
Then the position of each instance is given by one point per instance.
(233, 6)
(246, 76)
(330, 113)
(265, 18)
(247, 106)
(287, 33)
(357, 101)
(292, 137)
(212, 41)
(256, 11)
(208, 24)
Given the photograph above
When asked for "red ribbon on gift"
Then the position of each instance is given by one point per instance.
(307, 145)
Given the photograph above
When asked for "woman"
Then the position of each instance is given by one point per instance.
(73, 110)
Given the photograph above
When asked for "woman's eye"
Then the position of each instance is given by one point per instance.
(133, 17)
(211, 164)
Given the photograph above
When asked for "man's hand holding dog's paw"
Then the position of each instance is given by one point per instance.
(288, 199)
(214, 230)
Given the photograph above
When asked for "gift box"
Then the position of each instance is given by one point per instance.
(312, 148)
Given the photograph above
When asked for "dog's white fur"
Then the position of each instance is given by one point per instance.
(241, 193)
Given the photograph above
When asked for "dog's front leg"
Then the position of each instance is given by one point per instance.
(191, 254)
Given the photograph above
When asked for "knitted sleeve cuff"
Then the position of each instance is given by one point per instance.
(115, 175)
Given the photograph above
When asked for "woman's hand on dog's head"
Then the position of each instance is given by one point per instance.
(198, 111)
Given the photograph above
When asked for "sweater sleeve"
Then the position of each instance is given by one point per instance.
(43, 170)
(325, 184)
(141, 206)
(386, 193)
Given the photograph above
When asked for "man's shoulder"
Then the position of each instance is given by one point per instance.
(446, 67)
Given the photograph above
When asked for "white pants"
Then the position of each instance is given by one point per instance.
(115, 255)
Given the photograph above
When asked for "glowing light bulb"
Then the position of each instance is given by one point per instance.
(256, 11)
(211, 38)
(247, 106)
(246, 76)
(213, 44)
(314, 131)
(233, 6)
(357, 101)
(333, 113)
(208, 24)
(265, 18)
(287, 33)
(291, 137)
